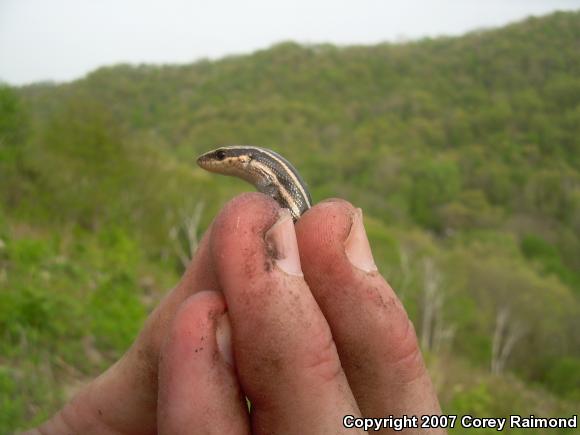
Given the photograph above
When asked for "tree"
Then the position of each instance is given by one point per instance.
(507, 333)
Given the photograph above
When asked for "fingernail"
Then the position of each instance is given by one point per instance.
(357, 247)
(281, 242)
(223, 335)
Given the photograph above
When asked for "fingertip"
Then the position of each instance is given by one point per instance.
(203, 300)
(321, 234)
(237, 240)
(375, 338)
(194, 324)
(332, 217)
(197, 385)
(254, 211)
(202, 321)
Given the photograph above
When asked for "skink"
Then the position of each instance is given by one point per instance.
(268, 171)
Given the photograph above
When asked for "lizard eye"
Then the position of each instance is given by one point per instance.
(220, 154)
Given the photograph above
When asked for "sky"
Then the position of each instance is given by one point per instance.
(62, 40)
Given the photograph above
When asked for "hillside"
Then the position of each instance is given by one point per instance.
(463, 152)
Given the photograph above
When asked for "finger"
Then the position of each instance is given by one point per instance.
(375, 339)
(198, 389)
(124, 398)
(285, 356)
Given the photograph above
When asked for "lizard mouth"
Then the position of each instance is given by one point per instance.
(206, 161)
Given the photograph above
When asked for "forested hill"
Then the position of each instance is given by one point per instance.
(464, 153)
(480, 131)
(493, 88)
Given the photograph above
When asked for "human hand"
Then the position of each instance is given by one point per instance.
(305, 349)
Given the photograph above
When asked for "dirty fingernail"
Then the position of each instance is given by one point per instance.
(281, 242)
(357, 247)
(224, 338)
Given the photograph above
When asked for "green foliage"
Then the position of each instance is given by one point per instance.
(436, 184)
(564, 378)
(12, 410)
(61, 302)
(115, 299)
(13, 133)
(27, 308)
(476, 400)
(80, 144)
(536, 248)
(12, 118)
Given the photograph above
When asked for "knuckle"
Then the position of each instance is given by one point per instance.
(323, 364)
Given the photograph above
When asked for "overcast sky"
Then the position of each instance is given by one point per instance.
(65, 39)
